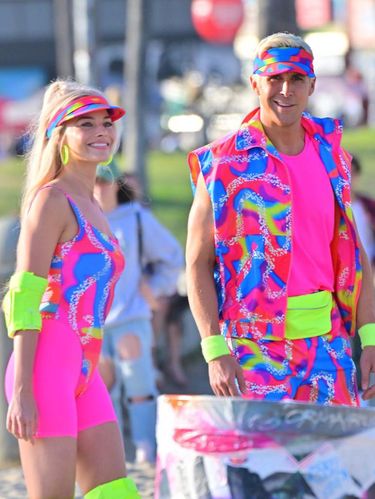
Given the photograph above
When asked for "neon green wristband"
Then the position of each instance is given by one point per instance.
(22, 301)
(214, 346)
(367, 335)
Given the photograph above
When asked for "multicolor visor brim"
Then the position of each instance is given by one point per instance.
(280, 60)
(277, 68)
(82, 106)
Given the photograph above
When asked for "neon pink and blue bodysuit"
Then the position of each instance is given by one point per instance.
(69, 392)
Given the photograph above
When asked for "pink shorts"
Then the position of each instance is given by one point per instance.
(57, 369)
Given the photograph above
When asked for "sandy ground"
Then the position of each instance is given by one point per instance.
(12, 485)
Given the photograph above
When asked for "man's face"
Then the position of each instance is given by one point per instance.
(282, 97)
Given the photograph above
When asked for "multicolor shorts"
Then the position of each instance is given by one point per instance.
(318, 370)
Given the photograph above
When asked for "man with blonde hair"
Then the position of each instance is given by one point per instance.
(277, 277)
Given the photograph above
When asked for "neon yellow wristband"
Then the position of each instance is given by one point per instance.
(367, 335)
(213, 347)
(22, 301)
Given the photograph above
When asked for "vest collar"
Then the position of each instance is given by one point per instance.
(251, 133)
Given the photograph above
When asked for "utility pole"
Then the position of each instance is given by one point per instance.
(63, 37)
(84, 35)
(135, 78)
(276, 15)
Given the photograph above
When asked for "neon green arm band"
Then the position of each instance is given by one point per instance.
(22, 301)
(367, 335)
(214, 346)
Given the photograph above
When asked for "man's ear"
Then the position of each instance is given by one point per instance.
(312, 86)
(254, 83)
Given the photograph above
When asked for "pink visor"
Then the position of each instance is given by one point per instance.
(81, 106)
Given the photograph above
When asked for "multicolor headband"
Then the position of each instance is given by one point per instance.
(81, 106)
(279, 60)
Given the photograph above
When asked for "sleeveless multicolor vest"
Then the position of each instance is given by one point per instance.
(252, 209)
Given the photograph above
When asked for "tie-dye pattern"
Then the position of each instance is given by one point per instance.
(317, 370)
(81, 283)
(279, 60)
(250, 191)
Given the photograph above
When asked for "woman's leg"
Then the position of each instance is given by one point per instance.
(174, 332)
(134, 359)
(100, 456)
(49, 467)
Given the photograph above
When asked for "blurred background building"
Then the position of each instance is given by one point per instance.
(194, 89)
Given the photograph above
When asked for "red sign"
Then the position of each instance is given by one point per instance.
(217, 21)
(362, 24)
(313, 14)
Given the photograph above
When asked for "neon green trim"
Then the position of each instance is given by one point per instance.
(308, 315)
(22, 301)
(213, 347)
(367, 335)
(117, 489)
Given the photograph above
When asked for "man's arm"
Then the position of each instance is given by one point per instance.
(200, 261)
(366, 315)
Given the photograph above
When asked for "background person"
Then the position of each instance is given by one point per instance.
(364, 212)
(274, 264)
(127, 360)
(68, 263)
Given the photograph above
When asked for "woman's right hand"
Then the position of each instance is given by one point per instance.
(22, 417)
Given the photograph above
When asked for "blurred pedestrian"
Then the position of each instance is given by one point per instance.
(364, 212)
(154, 259)
(274, 263)
(68, 263)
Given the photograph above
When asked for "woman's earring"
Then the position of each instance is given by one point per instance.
(64, 154)
(108, 162)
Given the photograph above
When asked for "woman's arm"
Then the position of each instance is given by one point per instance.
(41, 230)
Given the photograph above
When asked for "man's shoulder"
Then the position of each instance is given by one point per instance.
(322, 126)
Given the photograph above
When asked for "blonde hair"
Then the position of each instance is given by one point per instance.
(43, 162)
(282, 39)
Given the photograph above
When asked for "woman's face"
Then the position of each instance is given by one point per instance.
(91, 137)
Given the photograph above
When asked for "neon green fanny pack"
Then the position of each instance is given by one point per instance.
(308, 315)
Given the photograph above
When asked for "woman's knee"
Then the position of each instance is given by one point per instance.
(129, 347)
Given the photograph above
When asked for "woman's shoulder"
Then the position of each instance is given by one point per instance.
(51, 194)
(49, 199)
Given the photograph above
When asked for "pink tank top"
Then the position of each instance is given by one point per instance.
(312, 223)
(80, 290)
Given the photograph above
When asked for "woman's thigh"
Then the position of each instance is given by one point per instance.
(100, 456)
(49, 466)
(56, 371)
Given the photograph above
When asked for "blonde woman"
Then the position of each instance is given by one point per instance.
(68, 263)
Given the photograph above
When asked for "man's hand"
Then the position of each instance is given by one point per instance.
(223, 373)
(367, 364)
